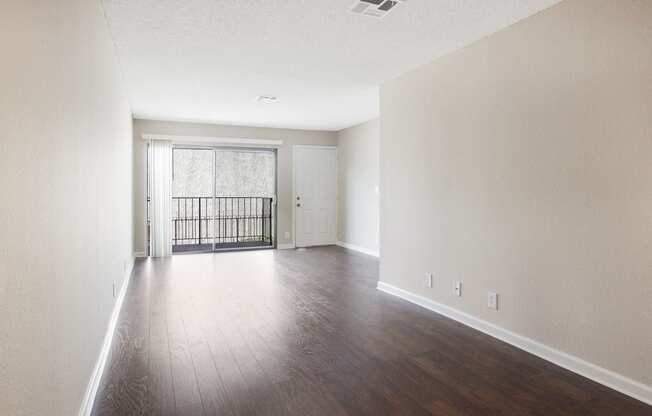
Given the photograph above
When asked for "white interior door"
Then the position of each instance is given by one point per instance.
(315, 195)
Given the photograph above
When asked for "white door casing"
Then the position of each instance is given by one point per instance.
(315, 195)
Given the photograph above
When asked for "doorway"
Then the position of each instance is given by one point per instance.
(315, 195)
(223, 199)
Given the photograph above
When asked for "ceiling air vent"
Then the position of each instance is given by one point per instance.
(374, 8)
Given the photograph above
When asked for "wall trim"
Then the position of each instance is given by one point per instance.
(358, 248)
(289, 246)
(94, 383)
(570, 362)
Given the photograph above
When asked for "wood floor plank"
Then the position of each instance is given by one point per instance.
(234, 384)
(307, 333)
(211, 389)
(161, 396)
(184, 378)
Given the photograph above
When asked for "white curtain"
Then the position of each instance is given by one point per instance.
(160, 186)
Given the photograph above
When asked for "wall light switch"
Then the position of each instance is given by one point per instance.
(492, 300)
(428, 279)
(458, 288)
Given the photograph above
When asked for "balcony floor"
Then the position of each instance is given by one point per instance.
(194, 248)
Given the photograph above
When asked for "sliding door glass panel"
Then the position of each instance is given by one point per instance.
(193, 187)
(245, 190)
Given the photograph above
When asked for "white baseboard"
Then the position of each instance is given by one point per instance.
(591, 371)
(94, 383)
(358, 248)
(138, 254)
(289, 246)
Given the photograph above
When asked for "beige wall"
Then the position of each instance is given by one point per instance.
(66, 211)
(289, 137)
(358, 180)
(523, 164)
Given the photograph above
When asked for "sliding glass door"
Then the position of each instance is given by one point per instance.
(223, 199)
(245, 190)
(193, 188)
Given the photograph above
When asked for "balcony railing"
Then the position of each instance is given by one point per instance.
(227, 222)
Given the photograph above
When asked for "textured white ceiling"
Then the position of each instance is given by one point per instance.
(206, 60)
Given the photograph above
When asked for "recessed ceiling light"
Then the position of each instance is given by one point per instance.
(267, 99)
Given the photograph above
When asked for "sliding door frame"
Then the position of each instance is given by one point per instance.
(217, 148)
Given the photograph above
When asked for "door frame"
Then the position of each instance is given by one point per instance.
(294, 195)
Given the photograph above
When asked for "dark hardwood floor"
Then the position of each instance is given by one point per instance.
(307, 333)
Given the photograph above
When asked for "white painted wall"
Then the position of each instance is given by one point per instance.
(358, 181)
(289, 137)
(523, 164)
(66, 211)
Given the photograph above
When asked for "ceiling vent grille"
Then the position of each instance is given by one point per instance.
(374, 8)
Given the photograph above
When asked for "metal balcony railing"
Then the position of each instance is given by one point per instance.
(227, 222)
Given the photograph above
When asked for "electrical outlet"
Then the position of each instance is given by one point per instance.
(458, 288)
(428, 279)
(287, 235)
(492, 300)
